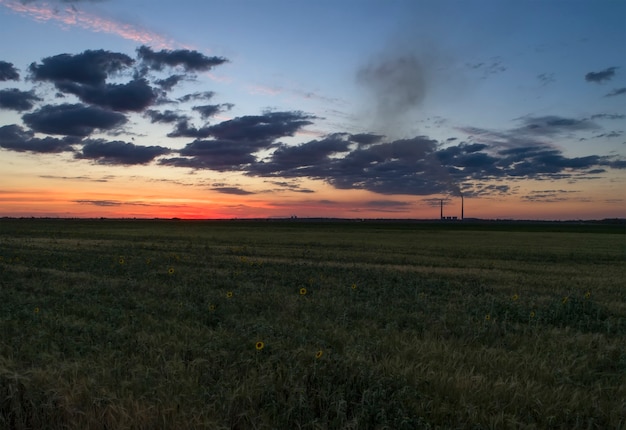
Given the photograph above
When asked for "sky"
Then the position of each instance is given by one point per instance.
(281, 108)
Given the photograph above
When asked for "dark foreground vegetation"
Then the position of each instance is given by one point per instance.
(256, 325)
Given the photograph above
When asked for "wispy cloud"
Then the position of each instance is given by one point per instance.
(72, 16)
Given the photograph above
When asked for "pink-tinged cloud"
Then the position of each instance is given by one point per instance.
(71, 16)
(264, 90)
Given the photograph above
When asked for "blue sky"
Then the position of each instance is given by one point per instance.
(342, 108)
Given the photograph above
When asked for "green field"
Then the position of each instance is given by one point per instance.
(255, 325)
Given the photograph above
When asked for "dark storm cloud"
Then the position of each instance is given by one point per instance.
(616, 92)
(189, 60)
(117, 152)
(88, 68)
(135, 95)
(207, 111)
(166, 117)
(8, 72)
(603, 75)
(15, 99)
(72, 119)
(232, 190)
(15, 138)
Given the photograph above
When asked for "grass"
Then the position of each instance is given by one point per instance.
(159, 324)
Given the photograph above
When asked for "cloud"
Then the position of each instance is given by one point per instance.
(608, 116)
(294, 160)
(489, 67)
(232, 190)
(183, 129)
(220, 155)
(207, 111)
(189, 60)
(72, 119)
(84, 75)
(616, 92)
(603, 75)
(15, 99)
(135, 95)
(170, 82)
(166, 117)
(397, 82)
(234, 141)
(552, 125)
(422, 166)
(71, 16)
(117, 152)
(8, 72)
(88, 68)
(266, 127)
(546, 78)
(205, 95)
(15, 138)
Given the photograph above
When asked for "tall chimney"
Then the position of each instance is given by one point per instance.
(462, 207)
(441, 208)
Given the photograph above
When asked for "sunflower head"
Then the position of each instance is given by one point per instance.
(121, 261)
(532, 314)
(487, 317)
(170, 271)
(319, 354)
(211, 307)
(259, 346)
(302, 291)
(229, 295)
(353, 286)
(515, 297)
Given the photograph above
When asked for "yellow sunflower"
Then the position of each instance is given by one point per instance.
(229, 294)
(319, 354)
(170, 271)
(302, 291)
(259, 346)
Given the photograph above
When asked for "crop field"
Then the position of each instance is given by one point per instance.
(134, 324)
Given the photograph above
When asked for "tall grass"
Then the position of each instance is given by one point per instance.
(242, 325)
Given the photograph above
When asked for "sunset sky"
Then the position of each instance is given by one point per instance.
(342, 108)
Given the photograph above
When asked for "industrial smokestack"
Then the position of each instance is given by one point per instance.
(441, 208)
(462, 207)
